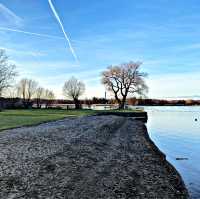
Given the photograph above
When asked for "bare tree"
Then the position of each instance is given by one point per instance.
(21, 88)
(31, 88)
(39, 94)
(7, 71)
(123, 80)
(26, 90)
(10, 92)
(49, 97)
(73, 89)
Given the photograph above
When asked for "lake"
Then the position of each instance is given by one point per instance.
(177, 134)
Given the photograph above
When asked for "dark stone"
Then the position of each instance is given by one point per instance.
(142, 116)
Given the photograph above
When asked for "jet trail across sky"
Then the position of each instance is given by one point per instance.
(30, 33)
(63, 30)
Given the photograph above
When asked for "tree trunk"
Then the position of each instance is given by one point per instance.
(77, 104)
(24, 103)
(122, 105)
(27, 103)
(118, 100)
(123, 101)
(38, 103)
(1, 104)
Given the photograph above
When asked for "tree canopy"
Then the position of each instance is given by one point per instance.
(125, 79)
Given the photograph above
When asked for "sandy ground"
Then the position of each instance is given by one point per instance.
(88, 157)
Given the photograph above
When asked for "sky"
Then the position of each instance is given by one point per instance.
(163, 34)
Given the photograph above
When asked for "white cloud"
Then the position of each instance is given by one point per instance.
(94, 91)
(24, 52)
(91, 91)
(53, 80)
(38, 66)
(174, 85)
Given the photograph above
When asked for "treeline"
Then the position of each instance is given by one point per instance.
(17, 102)
(56, 103)
(162, 102)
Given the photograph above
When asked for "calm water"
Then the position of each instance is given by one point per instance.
(177, 134)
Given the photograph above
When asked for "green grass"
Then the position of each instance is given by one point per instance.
(17, 118)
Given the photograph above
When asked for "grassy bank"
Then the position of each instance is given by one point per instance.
(17, 118)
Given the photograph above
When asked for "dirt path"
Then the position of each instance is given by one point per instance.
(88, 157)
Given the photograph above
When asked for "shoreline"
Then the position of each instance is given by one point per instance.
(95, 156)
(180, 185)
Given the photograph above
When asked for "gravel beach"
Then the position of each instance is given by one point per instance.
(89, 157)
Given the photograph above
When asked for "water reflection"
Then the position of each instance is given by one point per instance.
(177, 134)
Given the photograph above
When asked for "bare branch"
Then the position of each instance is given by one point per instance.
(73, 89)
(124, 79)
(7, 71)
(27, 89)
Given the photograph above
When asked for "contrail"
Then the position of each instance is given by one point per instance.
(30, 33)
(10, 15)
(63, 30)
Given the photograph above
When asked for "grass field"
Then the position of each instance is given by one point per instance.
(17, 118)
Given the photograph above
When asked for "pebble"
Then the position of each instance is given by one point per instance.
(88, 157)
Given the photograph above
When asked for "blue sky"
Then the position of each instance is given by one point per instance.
(163, 34)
